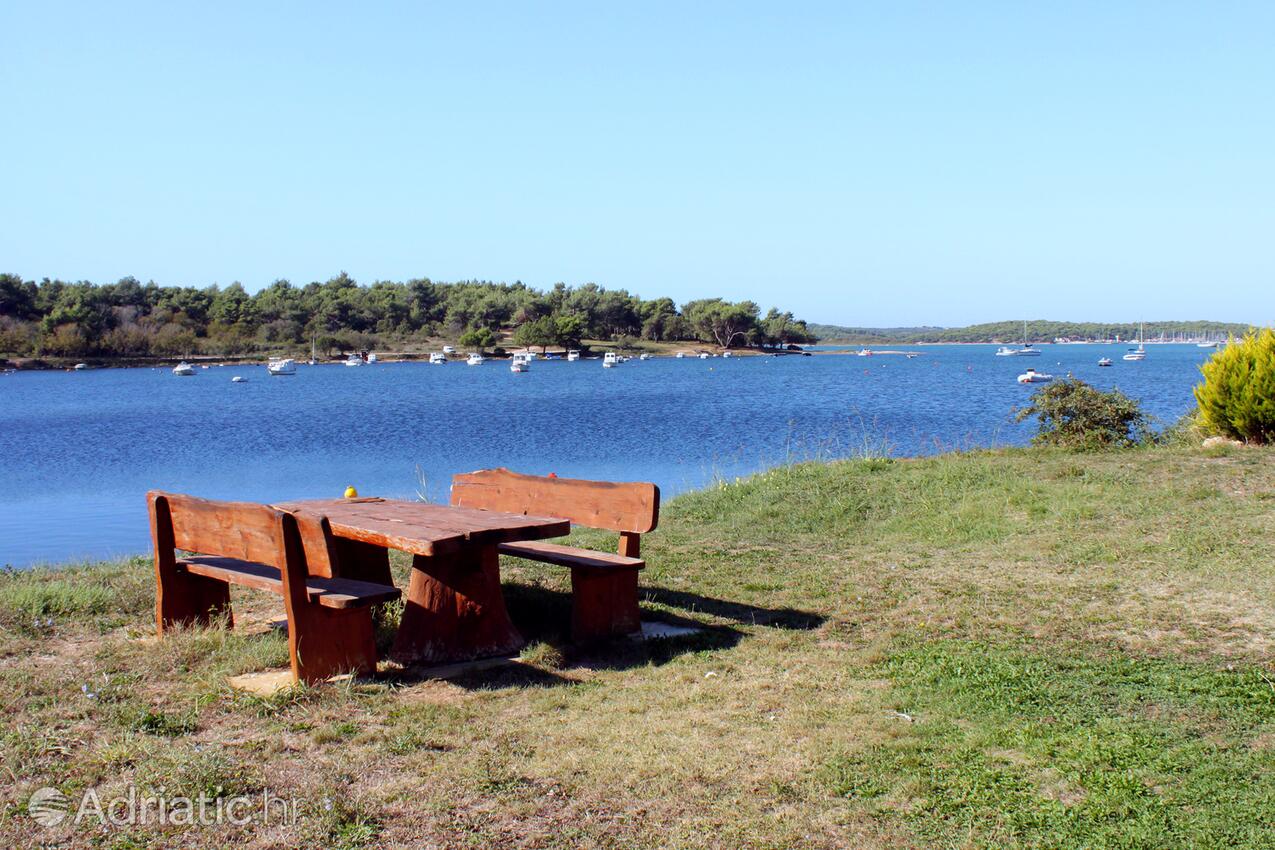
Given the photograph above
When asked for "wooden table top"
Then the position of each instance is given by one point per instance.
(426, 529)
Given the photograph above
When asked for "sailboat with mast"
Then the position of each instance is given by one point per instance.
(1139, 353)
(1025, 351)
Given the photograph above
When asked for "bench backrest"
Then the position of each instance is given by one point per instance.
(631, 507)
(243, 530)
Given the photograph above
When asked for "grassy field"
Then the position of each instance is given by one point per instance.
(1011, 649)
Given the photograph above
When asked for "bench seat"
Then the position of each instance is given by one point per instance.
(569, 556)
(328, 592)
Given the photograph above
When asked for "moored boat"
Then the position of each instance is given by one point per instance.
(609, 360)
(281, 366)
(183, 370)
(437, 358)
(1031, 376)
(1106, 361)
(475, 359)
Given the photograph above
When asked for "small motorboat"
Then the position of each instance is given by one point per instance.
(704, 355)
(573, 356)
(520, 363)
(437, 358)
(449, 349)
(1206, 345)
(371, 358)
(644, 356)
(864, 352)
(238, 380)
(1106, 361)
(183, 370)
(281, 366)
(354, 360)
(609, 360)
(680, 355)
(727, 353)
(1031, 376)
(80, 367)
(475, 359)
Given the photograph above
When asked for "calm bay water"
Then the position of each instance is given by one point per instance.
(78, 451)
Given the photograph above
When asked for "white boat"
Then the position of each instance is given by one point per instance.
(573, 356)
(520, 363)
(281, 366)
(1025, 351)
(183, 370)
(1106, 361)
(1031, 376)
(313, 361)
(1139, 353)
(1197, 345)
(437, 358)
(80, 367)
(727, 354)
(704, 355)
(449, 349)
(609, 360)
(864, 352)
(371, 358)
(238, 380)
(644, 356)
(354, 360)
(680, 355)
(475, 359)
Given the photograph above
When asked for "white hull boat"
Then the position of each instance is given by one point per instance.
(475, 359)
(354, 360)
(1106, 361)
(183, 370)
(1031, 376)
(573, 356)
(1139, 353)
(282, 366)
(520, 363)
(609, 360)
(437, 358)
(1025, 351)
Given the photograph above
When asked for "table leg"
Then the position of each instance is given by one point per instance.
(454, 610)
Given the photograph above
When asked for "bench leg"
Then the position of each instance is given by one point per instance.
(190, 600)
(604, 603)
(324, 642)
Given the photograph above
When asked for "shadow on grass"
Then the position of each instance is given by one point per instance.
(740, 612)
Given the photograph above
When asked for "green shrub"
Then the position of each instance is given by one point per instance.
(1237, 398)
(1075, 415)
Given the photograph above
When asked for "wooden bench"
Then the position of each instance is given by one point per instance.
(291, 554)
(603, 586)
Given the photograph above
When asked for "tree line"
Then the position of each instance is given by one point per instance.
(1037, 331)
(133, 319)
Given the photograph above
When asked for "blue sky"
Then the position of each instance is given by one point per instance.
(874, 164)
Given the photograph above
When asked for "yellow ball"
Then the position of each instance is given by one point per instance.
(351, 493)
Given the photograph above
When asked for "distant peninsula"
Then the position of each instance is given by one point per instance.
(1039, 330)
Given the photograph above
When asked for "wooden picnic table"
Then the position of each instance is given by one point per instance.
(454, 609)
